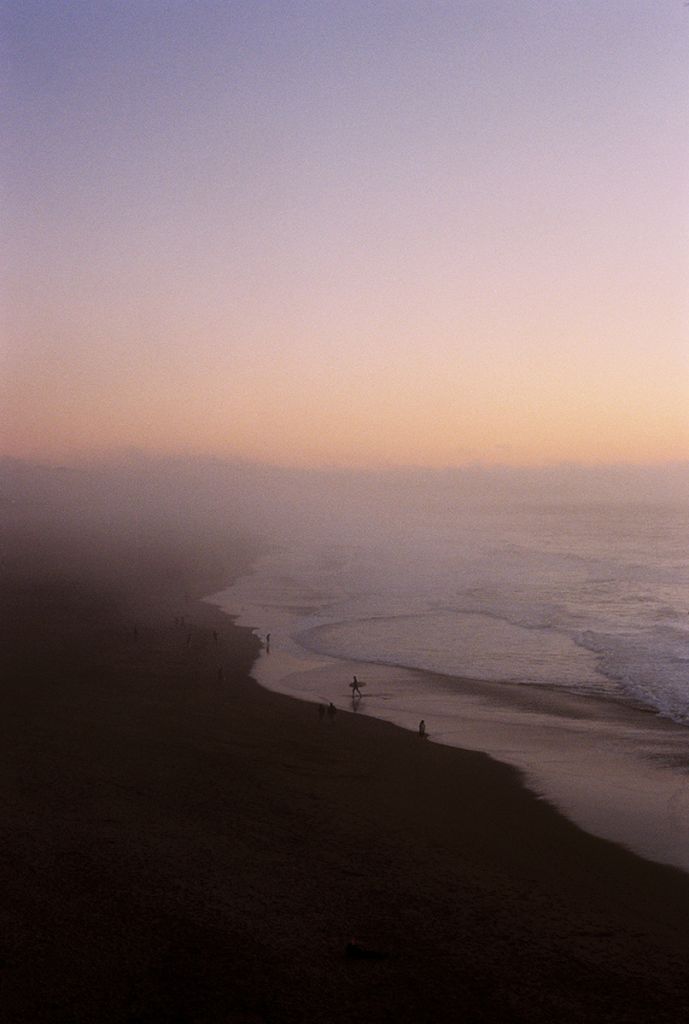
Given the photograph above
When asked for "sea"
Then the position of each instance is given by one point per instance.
(553, 637)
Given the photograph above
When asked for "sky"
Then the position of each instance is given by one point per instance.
(347, 234)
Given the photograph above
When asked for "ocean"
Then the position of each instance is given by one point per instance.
(553, 637)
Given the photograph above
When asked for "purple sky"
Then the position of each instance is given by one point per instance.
(348, 233)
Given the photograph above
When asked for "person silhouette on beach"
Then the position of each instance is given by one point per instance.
(267, 643)
(422, 730)
(356, 692)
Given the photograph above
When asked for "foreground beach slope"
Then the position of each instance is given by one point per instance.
(180, 845)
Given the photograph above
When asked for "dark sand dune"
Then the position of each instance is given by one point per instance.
(178, 845)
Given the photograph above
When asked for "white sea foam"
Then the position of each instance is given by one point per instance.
(565, 619)
(594, 600)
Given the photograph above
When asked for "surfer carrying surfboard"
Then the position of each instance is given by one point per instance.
(355, 687)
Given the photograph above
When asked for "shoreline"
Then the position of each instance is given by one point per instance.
(614, 769)
(181, 843)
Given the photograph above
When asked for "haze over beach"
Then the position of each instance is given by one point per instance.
(345, 341)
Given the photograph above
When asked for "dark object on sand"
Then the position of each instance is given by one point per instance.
(355, 951)
(355, 687)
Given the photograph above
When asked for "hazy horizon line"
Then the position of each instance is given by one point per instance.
(133, 455)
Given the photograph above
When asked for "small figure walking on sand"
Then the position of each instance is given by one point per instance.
(332, 711)
(354, 685)
(422, 730)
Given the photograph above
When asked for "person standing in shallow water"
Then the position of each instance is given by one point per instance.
(422, 729)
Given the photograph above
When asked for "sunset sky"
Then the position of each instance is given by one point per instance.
(347, 233)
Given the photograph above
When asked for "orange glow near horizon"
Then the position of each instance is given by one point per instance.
(418, 239)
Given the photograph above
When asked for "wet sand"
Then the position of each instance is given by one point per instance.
(180, 845)
(616, 770)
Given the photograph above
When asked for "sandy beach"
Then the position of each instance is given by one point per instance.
(179, 844)
(616, 770)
